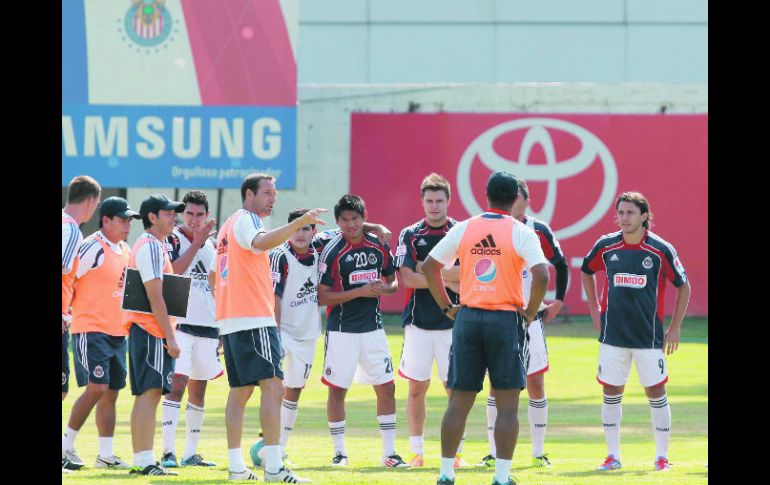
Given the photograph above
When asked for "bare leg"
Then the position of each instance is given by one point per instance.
(143, 417)
(234, 410)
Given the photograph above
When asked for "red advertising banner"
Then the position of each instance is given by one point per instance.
(574, 165)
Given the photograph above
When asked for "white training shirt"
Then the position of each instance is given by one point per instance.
(200, 309)
(149, 258)
(71, 239)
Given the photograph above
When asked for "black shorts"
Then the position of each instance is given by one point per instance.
(100, 358)
(149, 364)
(486, 339)
(65, 361)
(252, 355)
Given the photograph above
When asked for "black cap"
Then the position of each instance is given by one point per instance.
(159, 202)
(116, 206)
(502, 186)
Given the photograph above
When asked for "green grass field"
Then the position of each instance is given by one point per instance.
(575, 440)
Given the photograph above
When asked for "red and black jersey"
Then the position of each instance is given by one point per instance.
(414, 244)
(345, 266)
(633, 295)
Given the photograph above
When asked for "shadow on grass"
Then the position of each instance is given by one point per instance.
(596, 473)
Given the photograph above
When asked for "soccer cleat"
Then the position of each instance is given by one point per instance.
(610, 463)
(442, 480)
(111, 462)
(284, 475)
(394, 461)
(244, 475)
(541, 462)
(661, 464)
(169, 460)
(64, 463)
(340, 460)
(459, 461)
(287, 462)
(487, 462)
(196, 460)
(416, 460)
(73, 461)
(510, 481)
(154, 469)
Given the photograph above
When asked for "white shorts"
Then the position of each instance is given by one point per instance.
(421, 347)
(360, 357)
(198, 357)
(538, 352)
(298, 358)
(615, 364)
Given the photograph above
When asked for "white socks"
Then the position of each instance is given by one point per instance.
(448, 467)
(388, 432)
(661, 424)
(491, 418)
(194, 422)
(537, 414)
(105, 446)
(144, 458)
(273, 461)
(288, 417)
(502, 470)
(168, 422)
(68, 440)
(337, 432)
(612, 411)
(236, 460)
(416, 444)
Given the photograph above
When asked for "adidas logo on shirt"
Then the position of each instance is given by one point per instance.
(198, 272)
(308, 288)
(487, 247)
(614, 257)
(422, 242)
(349, 259)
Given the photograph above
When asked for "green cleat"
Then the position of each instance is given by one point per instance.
(541, 462)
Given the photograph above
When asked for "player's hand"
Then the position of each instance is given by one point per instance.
(452, 285)
(368, 290)
(529, 316)
(671, 342)
(172, 347)
(452, 313)
(383, 233)
(418, 267)
(65, 322)
(203, 232)
(63, 326)
(311, 217)
(379, 286)
(552, 310)
(219, 347)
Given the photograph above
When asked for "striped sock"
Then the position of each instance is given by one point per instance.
(169, 420)
(612, 411)
(288, 418)
(537, 412)
(337, 432)
(661, 424)
(491, 418)
(388, 432)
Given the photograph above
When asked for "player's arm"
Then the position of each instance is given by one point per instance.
(279, 272)
(562, 277)
(382, 232)
(539, 287)
(451, 275)
(432, 270)
(213, 283)
(327, 295)
(270, 239)
(200, 236)
(387, 285)
(278, 310)
(589, 286)
(671, 343)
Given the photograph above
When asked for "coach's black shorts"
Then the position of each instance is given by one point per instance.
(100, 358)
(486, 339)
(252, 355)
(65, 361)
(149, 364)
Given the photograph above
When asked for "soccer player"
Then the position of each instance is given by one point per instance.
(152, 344)
(630, 319)
(490, 325)
(245, 313)
(427, 331)
(83, 195)
(537, 411)
(98, 334)
(355, 271)
(191, 251)
(294, 269)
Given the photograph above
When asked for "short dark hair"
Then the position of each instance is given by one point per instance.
(296, 214)
(638, 200)
(349, 202)
(81, 188)
(251, 182)
(434, 181)
(523, 189)
(196, 197)
(502, 190)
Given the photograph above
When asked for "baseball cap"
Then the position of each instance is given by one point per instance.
(502, 185)
(117, 206)
(159, 202)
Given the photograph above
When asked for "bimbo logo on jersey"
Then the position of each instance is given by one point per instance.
(363, 276)
(630, 280)
(537, 132)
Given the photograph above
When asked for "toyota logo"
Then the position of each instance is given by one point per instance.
(591, 150)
